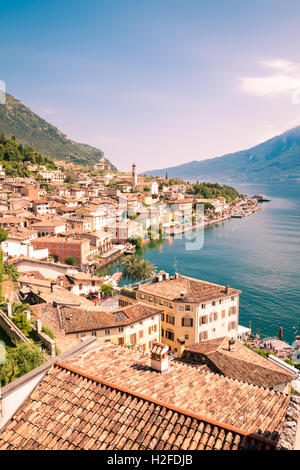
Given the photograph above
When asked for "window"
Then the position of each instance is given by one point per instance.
(223, 314)
(107, 331)
(231, 325)
(203, 320)
(133, 339)
(203, 306)
(232, 298)
(94, 333)
(220, 301)
(181, 308)
(213, 303)
(203, 335)
(188, 307)
(170, 319)
(186, 336)
(232, 311)
(187, 322)
(215, 316)
(121, 340)
(162, 333)
(141, 334)
(162, 317)
(169, 335)
(120, 329)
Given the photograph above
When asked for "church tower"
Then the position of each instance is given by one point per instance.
(133, 177)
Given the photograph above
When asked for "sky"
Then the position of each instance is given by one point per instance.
(156, 82)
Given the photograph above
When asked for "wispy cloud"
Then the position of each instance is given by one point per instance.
(282, 76)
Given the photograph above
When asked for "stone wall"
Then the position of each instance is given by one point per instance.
(48, 342)
(287, 440)
(11, 329)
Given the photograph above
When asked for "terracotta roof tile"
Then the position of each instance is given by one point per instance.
(207, 394)
(239, 363)
(48, 426)
(187, 289)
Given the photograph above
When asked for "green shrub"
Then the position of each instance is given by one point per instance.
(71, 260)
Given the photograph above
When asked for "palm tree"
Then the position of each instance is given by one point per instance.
(136, 268)
(16, 308)
(147, 270)
(131, 267)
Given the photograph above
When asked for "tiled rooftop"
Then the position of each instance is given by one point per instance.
(194, 290)
(214, 396)
(79, 319)
(239, 363)
(69, 411)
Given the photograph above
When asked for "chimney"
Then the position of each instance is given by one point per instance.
(159, 357)
(182, 294)
(176, 276)
(52, 285)
(231, 344)
(227, 289)
(180, 346)
(167, 276)
(297, 342)
(280, 333)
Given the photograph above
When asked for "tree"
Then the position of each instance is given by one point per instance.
(20, 320)
(107, 289)
(147, 270)
(69, 180)
(131, 267)
(20, 359)
(11, 271)
(71, 260)
(136, 268)
(137, 241)
(16, 308)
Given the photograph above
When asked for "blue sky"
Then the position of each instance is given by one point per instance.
(158, 82)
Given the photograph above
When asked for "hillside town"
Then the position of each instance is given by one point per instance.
(138, 358)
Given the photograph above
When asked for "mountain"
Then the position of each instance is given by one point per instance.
(29, 128)
(276, 159)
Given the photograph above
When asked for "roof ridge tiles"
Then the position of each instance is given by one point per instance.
(154, 401)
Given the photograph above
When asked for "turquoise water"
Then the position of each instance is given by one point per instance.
(259, 255)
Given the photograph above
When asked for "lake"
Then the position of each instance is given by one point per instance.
(258, 254)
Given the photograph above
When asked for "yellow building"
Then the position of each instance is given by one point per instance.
(193, 310)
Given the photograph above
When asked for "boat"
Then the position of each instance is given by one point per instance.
(261, 198)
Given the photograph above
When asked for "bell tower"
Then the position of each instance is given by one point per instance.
(133, 177)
